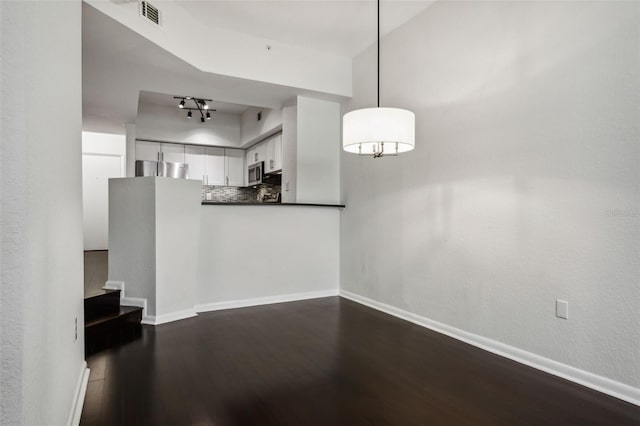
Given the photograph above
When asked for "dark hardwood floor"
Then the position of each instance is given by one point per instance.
(325, 362)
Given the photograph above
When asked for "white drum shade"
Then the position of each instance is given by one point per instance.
(378, 130)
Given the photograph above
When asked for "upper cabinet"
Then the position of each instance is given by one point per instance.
(256, 153)
(154, 151)
(194, 157)
(273, 154)
(234, 167)
(214, 166)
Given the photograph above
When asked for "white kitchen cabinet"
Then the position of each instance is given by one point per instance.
(256, 153)
(214, 166)
(273, 154)
(194, 156)
(172, 152)
(234, 167)
(149, 151)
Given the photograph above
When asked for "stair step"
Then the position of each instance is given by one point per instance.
(112, 330)
(106, 303)
(125, 314)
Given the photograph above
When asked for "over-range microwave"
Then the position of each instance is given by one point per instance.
(256, 173)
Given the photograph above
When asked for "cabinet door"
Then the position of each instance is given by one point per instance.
(277, 152)
(194, 156)
(214, 166)
(172, 152)
(234, 167)
(261, 150)
(147, 151)
(269, 150)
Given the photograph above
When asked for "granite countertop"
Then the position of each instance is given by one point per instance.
(217, 203)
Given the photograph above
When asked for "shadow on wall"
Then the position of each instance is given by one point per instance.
(526, 141)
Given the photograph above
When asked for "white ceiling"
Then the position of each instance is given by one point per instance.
(343, 27)
(163, 99)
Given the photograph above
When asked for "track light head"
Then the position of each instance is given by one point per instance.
(208, 115)
(202, 119)
(181, 104)
(189, 115)
(205, 106)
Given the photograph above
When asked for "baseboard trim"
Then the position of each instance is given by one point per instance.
(244, 303)
(114, 285)
(170, 317)
(78, 400)
(601, 384)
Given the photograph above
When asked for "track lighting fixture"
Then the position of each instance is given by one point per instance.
(201, 106)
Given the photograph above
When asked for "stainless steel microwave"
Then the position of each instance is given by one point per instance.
(256, 173)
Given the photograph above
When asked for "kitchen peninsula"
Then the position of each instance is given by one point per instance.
(176, 255)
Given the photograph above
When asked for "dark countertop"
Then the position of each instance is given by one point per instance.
(216, 203)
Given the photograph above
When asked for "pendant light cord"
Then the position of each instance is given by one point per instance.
(378, 53)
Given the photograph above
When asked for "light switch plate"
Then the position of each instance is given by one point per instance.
(562, 309)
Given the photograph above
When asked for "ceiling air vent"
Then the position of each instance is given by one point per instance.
(150, 12)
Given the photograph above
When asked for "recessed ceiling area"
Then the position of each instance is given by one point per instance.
(167, 100)
(344, 27)
(118, 64)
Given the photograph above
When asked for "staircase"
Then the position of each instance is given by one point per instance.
(107, 324)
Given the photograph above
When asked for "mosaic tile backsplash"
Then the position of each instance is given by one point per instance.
(234, 194)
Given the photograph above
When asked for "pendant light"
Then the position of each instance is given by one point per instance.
(378, 131)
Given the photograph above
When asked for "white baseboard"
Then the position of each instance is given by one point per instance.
(114, 285)
(244, 303)
(590, 380)
(78, 399)
(170, 317)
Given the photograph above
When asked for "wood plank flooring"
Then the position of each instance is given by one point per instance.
(325, 362)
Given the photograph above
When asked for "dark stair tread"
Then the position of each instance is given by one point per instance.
(123, 312)
(100, 293)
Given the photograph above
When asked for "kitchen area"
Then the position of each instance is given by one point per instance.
(196, 227)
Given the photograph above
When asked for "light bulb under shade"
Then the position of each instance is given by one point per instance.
(189, 114)
(208, 116)
(370, 130)
(205, 105)
(202, 119)
(181, 104)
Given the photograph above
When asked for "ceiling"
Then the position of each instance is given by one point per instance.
(111, 88)
(343, 27)
(163, 99)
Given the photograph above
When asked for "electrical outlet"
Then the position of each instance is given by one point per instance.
(76, 329)
(208, 196)
(286, 186)
(562, 309)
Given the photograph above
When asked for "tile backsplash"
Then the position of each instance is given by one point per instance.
(234, 194)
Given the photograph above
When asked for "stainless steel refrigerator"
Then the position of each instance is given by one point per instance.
(162, 168)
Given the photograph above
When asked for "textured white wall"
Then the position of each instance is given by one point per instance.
(318, 151)
(177, 216)
(524, 185)
(41, 211)
(132, 237)
(249, 252)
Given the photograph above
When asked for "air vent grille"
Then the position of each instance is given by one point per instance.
(150, 12)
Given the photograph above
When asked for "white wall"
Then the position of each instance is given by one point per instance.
(252, 130)
(524, 184)
(318, 151)
(177, 212)
(253, 252)
(103, 157)
(170, 124)
(41, 209)
(289, 152)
